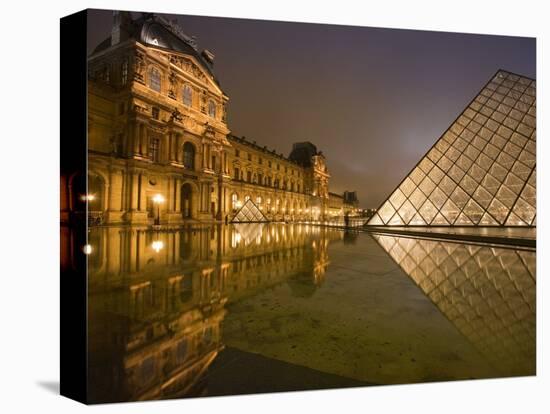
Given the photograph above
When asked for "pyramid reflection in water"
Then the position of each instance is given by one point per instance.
(487, 293)
(482, 171)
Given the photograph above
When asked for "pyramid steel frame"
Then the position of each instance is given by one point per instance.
(481, 171)
(249, 213)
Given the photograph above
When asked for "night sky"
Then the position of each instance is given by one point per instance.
(373, 100)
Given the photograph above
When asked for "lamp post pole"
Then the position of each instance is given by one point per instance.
(157, 199)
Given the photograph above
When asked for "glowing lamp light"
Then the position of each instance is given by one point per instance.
(157, 245)
(158, 198)
(87, 249)
(87, 197)
(238, 204)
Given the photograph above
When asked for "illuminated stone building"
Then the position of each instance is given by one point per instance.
(159, 143)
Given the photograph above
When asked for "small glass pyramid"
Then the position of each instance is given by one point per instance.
(482, 171)
(249, 213)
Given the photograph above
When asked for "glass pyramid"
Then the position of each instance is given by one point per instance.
(488, 293)
(249, 213)
(482, 171)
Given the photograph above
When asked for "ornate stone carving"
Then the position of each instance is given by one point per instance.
(187, 66)
(176, 115)
(173, 79)
(139, 67)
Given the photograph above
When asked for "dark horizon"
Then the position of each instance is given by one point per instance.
(373, 100)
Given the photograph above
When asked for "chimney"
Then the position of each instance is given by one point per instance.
(121, 26)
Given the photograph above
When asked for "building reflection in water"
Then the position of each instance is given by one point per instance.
(157, 299)
(488, 293)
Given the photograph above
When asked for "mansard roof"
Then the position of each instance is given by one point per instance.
(153, 30)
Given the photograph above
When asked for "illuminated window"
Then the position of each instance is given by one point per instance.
(212, 109)
(189, 156)
(187, 95)
(154, 149)
(235, 201)
(154, 79)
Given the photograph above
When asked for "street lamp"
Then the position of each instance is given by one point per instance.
(158, 199)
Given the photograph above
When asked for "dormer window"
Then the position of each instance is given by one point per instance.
(212, 109)
(154, 79)
(187, 95)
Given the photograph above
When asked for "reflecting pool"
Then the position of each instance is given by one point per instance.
(237, 309)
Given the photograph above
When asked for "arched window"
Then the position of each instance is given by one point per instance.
(187, 95)
(246, 198)
(154, 79)
(258, 200)
(211, 109)
(189, 156)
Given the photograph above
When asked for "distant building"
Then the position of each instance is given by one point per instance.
(159, 141)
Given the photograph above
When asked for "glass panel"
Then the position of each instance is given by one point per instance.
(439, 220)
(530, 195)
(456, 173)
(407, 187)
(436, 175)
(488, 220)
(483, 197)
(396, 220)
(524, 210)
(521, 170)
(498, 210)
(447, 185)
(490, 184)
(417, 220)
(513, 182)
(417, 198)
(375, 220)
(427, 186)
(438, 197)
(386, 212)
(428, 211)
(462, 220)
(459, 197)
(498, 172)
(514, 220)
(468, 184)
(450, 211)
(426, 165)
(407, 211)
(417, 176)
(397, 198)
(473, 211)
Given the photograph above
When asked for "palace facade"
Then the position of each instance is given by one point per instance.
(159, 145)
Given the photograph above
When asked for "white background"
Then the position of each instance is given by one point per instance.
(29, 194)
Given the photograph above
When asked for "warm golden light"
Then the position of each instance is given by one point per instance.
(157, 245)
(87, 249)
(87, 197)
(158, 198)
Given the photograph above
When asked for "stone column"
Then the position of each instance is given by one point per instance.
(142, 193)
(177, 192)
(143, 140)
(133, 189)
(136, 137)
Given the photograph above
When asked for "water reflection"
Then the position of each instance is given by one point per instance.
(157, 299)
(163, 305)
(488, 293)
